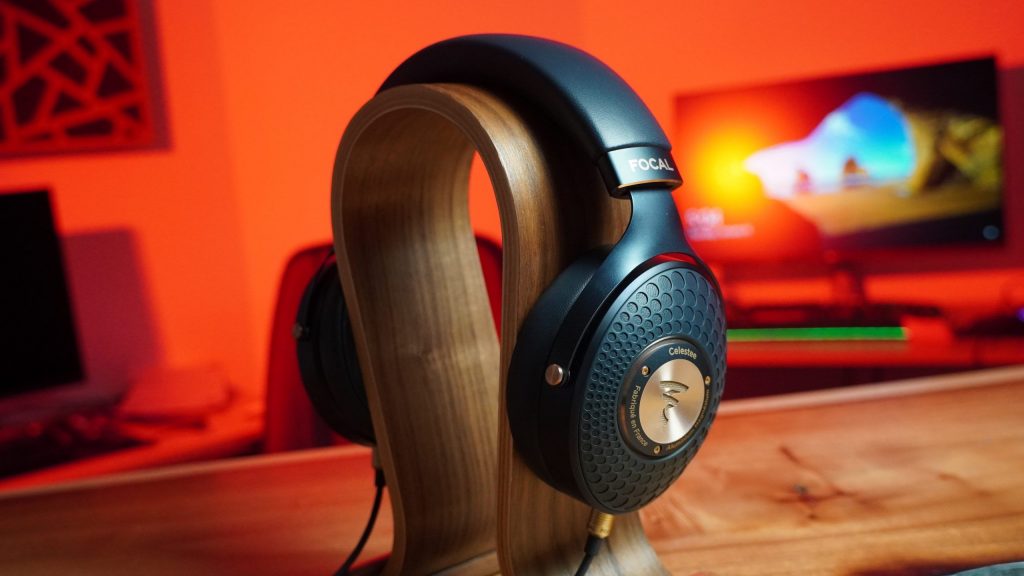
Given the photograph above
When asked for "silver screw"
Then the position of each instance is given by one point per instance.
(707, 380)
(554, 375)
(645, 371)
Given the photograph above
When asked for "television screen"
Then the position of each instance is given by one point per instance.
(38, 343)
(901, 158)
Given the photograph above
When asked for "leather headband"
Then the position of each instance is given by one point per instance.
(588, 100)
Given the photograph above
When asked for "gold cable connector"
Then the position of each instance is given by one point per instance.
(599, 527)
(600, 524)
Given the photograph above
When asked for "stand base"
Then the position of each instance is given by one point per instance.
(483, 565)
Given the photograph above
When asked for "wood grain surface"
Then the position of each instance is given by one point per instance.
(918, 478)
(427, 346)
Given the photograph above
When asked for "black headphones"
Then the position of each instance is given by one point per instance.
(619, 367)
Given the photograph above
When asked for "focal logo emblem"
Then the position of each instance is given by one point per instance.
(665, 397)
(669, 388)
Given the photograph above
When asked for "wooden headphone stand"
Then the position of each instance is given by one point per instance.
(464, 502)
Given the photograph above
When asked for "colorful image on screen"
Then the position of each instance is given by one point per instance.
(902, 158)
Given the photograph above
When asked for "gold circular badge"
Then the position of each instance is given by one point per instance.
(664, 397)
(672, 401)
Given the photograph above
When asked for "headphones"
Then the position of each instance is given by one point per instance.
(618, 369)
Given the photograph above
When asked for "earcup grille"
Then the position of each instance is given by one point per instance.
(678, 302)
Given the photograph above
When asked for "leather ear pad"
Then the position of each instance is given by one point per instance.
(526, 369)
(328, 361)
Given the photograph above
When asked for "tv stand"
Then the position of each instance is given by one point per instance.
(830, 315)
(848, 307)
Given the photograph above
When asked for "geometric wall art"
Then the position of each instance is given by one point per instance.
(77, 75)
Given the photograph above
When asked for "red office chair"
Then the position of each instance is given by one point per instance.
(291, 422)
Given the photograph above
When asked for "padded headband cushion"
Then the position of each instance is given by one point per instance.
(589, 101)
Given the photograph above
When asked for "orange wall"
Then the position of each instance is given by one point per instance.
(259, 92)
(663, 48)
(180, 205)
(293, 78)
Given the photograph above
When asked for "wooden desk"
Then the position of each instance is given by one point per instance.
(760, 368)
(919, 477)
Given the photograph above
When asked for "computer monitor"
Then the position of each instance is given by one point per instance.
(38, 340)
(841, 167)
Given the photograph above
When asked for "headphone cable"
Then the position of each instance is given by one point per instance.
(598, 529)
(378, 480)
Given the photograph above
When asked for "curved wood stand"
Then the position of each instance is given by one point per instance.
(432, 365)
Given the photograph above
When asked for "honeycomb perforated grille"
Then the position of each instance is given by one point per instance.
(678, 302)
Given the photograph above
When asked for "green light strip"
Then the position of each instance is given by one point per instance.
(891, 333)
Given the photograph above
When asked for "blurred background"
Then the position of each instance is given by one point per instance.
(175, 157)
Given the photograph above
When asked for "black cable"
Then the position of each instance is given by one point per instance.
(590, 551)
(378, 480)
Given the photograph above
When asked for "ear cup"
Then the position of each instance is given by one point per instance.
(648, 387)
(328, 361)
(633, 411)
